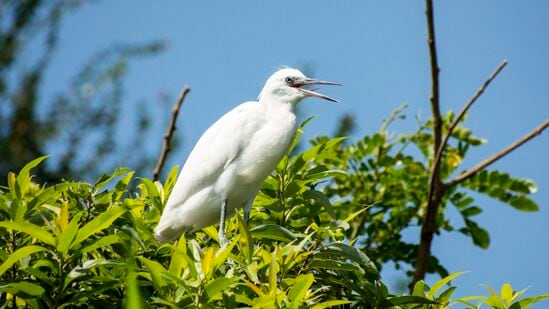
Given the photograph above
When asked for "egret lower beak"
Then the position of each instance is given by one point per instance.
(311, 93)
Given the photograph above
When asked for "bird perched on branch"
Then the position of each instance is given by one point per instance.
(234, 156)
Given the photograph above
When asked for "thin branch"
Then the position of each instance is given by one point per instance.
(436, 187)
(438, 154)
(166, 147)
(435, 96)
(451, 128)
(482, 165)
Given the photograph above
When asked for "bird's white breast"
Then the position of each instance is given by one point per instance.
(259, 157)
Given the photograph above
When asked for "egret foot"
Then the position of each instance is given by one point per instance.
(222, 238)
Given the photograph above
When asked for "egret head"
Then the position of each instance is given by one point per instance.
(287, 85)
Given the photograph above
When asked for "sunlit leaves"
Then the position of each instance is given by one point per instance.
(18, 255)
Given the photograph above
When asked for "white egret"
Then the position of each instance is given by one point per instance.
(234, 156)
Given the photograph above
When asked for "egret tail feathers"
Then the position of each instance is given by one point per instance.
(167, 233)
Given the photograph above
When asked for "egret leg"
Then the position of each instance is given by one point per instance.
(222, 238)
(248, 209)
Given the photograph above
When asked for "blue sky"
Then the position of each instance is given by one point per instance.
(378, 50)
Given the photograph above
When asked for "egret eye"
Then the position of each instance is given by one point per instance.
(289, 80)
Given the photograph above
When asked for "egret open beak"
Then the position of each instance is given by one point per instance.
(311, 93)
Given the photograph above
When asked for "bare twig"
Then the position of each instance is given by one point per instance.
(437, 188)
(480, 91)
(169, 132)
(435, 97)
(482, 165)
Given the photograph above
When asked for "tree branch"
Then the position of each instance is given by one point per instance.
(435, 97)
(166, 147)
(451, 128)
(482, 165)
(436, 187)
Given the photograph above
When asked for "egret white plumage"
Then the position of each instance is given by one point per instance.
(234, 156)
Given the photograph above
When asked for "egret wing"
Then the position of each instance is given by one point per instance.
(217, 147)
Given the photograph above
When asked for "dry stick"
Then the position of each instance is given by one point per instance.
(437, 188)
(482, 165)
(169, 133)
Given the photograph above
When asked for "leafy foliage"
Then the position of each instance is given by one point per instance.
(76, 243)
(387, 176)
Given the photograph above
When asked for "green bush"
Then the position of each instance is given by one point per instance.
(77, 244)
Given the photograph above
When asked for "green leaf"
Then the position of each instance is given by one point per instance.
(219, 285)
(523, 203)
(100, 243)
(81, 270)
(273, 272)
(106, 178)
(133, 299)
(49, 194)
(156, 270)
(194, 262)
(18, 255)
(153, 193)
(121, 186)
(319, 263)
(170, 181)
(523, 186)
(526, 302)
(223, 253)
(507, 293)
(272, 231)
(12, 181)
(467, 300)
(322, 200)
(471, 211)
(67, 236)
(99, 223)
(31, 229)
(177, 262)
(299, 289)
(23, 179)
(331, 304)
(419, 288)
(409, 299)
(444, 297)
(495, 301)
(346, 252)
(356, 213)
(440, 283)
(246, 241)
(27, 288)
(480, 236)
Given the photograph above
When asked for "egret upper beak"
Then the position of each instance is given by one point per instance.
(311, 93)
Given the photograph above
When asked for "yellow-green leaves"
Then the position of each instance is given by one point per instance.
(506, 299)
(246, 241)
(297, 292)
(23, 179)
(30, 229)
(99, 223)
(273, 232)
(18, 255)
